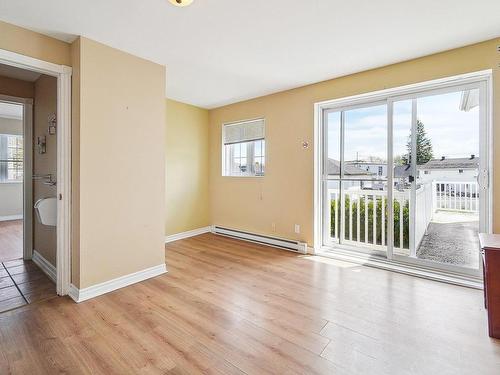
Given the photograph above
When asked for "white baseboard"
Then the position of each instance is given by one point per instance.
(11, 217)
(190, 233)
(80, 295)
(44, 265)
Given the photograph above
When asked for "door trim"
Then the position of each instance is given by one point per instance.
(482, 77)
(63, 75)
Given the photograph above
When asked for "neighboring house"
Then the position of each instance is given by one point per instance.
(453, 169)
(402, 176)
(378, 169)
(333, 169)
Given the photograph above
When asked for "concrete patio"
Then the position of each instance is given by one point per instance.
(452, 238)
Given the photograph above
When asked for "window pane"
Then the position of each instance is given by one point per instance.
(237, 149)
(258, 148)
(245, 159)
(333, 144)
(365, 145)
(11, 150)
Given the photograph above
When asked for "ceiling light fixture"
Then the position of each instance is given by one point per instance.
(181, 3)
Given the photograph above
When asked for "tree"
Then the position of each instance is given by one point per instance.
(424, 146)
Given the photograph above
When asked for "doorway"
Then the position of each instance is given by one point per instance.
(59, 267)
(11, 180)
(404, 176)
(28, 152)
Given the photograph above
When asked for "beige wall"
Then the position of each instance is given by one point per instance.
(26, 42)
(187, 168)
(118, 133)
(121, 163)
(11, 200)
(285, 195)
(16, 87)
(45, 104)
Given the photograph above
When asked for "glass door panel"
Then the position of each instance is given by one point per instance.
(435, 190)
(365, 146)
(447, 191)
(355, 178)
(331, 178)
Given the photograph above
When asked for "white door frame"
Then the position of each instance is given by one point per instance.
(63, 75)
(482, 77)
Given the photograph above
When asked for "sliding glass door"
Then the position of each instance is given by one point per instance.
(405, 177)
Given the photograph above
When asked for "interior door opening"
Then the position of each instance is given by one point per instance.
(28, 170)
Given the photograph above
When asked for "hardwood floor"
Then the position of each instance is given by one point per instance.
(232, 307)
(11, 240)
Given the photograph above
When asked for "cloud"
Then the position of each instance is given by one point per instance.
(453, 133)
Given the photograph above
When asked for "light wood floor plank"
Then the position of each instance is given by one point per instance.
(232, 307)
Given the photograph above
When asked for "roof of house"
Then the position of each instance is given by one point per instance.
(452, 163)
(333, 168)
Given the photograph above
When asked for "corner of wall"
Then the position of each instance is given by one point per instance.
(187, 148)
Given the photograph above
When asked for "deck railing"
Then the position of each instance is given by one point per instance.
(365, 217)
(456, 196)
(365, 212)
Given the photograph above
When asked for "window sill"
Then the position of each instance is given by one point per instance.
(10, 182)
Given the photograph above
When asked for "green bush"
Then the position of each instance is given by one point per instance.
(370, 207)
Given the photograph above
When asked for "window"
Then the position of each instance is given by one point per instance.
(11, 157)
(460, 171)
(380, 170)
(244, 148)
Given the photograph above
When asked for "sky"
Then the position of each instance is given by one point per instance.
(453, 133)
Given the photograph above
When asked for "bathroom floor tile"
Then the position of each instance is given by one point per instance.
(9, 292)
(6, 282)
(23, 283)
(12, 303)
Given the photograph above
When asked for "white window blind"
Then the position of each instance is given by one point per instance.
(244, 132)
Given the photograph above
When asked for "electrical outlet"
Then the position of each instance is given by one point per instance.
(297, 228)
(273, 226)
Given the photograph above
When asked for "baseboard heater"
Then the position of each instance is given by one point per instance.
(290, 245)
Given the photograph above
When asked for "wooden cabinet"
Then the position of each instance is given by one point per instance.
(490, 248)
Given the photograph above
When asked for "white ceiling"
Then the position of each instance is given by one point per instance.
(17, 73)
(223, 51)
